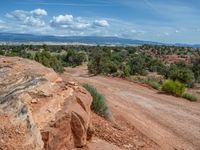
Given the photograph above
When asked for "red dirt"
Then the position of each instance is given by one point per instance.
(170, 122)
(121, 133)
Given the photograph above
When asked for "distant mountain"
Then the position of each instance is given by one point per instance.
(23, 38)
(188, 45)
(97, 40)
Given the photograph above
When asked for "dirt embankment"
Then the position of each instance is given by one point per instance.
(157, 121)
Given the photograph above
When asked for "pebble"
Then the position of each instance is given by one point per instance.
(34, 101)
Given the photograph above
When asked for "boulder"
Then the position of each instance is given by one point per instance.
(38, 110)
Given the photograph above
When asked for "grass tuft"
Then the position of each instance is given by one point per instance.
(189, 97)
(98, 104)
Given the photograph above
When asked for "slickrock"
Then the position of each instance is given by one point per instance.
(38, 110)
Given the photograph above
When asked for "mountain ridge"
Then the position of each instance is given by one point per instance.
(96, 40)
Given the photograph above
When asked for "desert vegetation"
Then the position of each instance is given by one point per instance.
(189, 96)
(173, 87)
(98, 103)
(161, 67)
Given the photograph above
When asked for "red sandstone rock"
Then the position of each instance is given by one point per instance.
(38, 110)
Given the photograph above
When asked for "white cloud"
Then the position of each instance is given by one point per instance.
(20, 21)
(31, 18)
(72, 23)
(39, 12)
(76, 23)
(34, 21)
(81, 25)
(69, 22)
(18, 15)
(101, 23)
(62, 19)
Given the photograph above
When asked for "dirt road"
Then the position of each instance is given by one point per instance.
(172, 123)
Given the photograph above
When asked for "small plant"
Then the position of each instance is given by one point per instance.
(98, 104)
(173, 87)
(189, 97)
(153, 82)
(138, 78)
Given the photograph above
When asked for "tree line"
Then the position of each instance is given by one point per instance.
(116, 61)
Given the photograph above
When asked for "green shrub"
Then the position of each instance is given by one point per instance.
(189, 97)
(153, 84)
(196, 69)
(49, 60)
(2, 52)
(137, 65)
(184, 75)
(73, 58)
(125, 70)
(173, 87)
(100, 62)
(98, 104)
(138, 78)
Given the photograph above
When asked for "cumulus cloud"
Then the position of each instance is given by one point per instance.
(39, 12)
(18, 15)
(32, 18)
(81, 26)
(32, 21)
(68, 21)
(72, 23)
(101, 23)
(62, 20)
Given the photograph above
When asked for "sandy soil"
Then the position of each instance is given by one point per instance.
(170, 122)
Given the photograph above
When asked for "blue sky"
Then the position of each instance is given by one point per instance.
(171, 21)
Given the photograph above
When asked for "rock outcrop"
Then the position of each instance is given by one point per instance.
(38, 110)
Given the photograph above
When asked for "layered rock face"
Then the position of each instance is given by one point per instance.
(38, 110)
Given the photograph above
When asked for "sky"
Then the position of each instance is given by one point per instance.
(169, 21)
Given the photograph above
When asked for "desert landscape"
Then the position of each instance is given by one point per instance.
(163, 122)
(100, 75)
